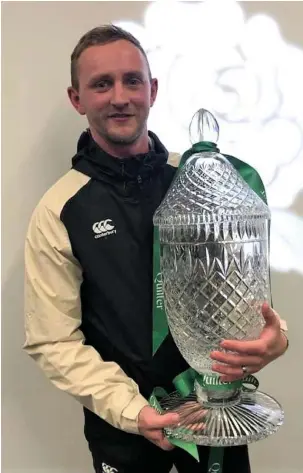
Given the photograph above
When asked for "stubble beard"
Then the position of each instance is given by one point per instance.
(116, 139)
(121, 140)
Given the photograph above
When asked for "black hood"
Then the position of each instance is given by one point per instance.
(96, 163)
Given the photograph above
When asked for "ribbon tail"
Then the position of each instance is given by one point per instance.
(190, 448)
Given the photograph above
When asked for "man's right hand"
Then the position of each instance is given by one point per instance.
(151, 425)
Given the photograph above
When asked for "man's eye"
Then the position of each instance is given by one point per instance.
(102, 84)
(133, 81)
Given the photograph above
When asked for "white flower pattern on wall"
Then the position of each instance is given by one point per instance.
(244, 72)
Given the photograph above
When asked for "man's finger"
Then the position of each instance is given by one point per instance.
(165, 444)
(158, 438)
(235, 371)
(235, 360)
(159, 421)
(246, 347)
(269, 315)
(235, 377)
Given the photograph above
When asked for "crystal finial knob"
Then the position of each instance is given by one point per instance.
(203, 127)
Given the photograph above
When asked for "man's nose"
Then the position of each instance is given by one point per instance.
(119, 96)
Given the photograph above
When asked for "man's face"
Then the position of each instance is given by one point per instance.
(115, 92)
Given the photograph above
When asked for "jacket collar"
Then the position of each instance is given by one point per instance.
(96, 163)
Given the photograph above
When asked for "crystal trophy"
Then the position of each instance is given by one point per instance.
(214, 259)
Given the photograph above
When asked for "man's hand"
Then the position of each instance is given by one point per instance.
(151, 425)
(254, 355)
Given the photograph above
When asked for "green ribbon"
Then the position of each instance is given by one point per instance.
(201, 147)
(189, 447)
(185, 381)
(160, 327)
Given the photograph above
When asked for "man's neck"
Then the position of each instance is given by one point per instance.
(140, 146)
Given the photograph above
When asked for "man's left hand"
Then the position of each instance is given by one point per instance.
(253, 355)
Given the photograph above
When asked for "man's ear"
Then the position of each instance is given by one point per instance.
(74, 97)
(153, 91)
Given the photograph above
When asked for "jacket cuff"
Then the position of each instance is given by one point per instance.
(129, 418)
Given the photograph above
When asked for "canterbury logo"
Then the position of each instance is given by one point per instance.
(108, 469)
(214, 468)
(104, 228)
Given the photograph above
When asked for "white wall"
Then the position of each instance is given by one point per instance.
(42, 428)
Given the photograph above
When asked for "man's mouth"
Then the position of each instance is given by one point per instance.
(120, 115)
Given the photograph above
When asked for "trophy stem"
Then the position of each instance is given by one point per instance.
(210, 397)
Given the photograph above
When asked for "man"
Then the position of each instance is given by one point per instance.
(88, 258)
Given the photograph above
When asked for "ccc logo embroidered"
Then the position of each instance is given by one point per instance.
(104, 228)
(214, 468)
(108, 469)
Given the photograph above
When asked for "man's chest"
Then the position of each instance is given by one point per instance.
(108, 229)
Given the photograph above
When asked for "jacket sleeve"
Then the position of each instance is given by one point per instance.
(52, 319)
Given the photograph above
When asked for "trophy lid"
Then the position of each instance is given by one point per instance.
(207, 187)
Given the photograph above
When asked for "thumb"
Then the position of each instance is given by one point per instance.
(269, 315)
(159, 421)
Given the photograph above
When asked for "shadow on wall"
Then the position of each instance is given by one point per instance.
(34, 412)
(58, 140)
(45, 156)
(297, 205)
(280, 380)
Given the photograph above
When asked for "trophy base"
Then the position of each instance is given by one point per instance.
(247, 418)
